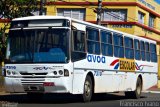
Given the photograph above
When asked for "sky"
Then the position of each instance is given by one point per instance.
(158, 1)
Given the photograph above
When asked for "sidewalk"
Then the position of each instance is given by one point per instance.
(153, 89)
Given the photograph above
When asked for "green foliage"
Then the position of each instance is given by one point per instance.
(10, 9)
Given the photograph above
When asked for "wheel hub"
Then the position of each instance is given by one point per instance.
(87, 88)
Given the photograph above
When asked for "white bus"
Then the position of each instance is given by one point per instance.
(52, 54)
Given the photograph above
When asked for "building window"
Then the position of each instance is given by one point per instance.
(151, 20)
(141, 17)
(73, 13)
(114, 15)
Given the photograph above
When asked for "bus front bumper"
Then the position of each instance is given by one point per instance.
(43, 85)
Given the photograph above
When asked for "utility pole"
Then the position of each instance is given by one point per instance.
(42, 2)
(99, 11)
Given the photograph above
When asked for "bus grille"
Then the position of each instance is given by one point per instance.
(31, 81)
(33, 84)
(33, 75)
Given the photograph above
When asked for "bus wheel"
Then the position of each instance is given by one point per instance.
(88, 89)
(137, 93)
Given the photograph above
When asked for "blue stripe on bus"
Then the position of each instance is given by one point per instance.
(117, 65)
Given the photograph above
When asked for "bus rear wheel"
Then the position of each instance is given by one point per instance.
(137, 93)
(88, 89)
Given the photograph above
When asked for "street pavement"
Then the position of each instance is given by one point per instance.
(100, 100)
(149, 98)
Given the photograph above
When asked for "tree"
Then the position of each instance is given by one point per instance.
(10, 9)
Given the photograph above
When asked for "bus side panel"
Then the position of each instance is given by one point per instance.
(149, 73)
(149, 80)
(118, 81)
(78, 81)
(130, 81)
(8, 85)
(104, 83)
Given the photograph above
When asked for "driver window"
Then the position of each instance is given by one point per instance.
(79, 41)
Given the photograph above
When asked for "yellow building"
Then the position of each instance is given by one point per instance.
(4, 23)
(137, 17)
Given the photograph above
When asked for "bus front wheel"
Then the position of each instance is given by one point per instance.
(88, 89)
(137, 93)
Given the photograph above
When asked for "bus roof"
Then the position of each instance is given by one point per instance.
(82, 22)
(112, 30)
(40, 17)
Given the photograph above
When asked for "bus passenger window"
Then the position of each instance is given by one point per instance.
(118, 45)
(93, 45)
(79, 41)
(78, 46)
(137, 49)
(106, 43)
(153, 52)
(142, 50)
(147, 51)
(129, 51)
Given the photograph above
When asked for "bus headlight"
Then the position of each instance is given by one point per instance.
(14, 73)
(66, 72)
(11, 73)
(55, 72)
(8, 72)
(60, 72)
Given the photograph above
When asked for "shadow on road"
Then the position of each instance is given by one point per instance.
(57, 98)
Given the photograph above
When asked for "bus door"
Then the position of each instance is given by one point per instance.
(78, 55)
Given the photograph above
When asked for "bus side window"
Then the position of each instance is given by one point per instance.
(93, 45)
(118, 45)
(147, 51)
(78, 45)
(137, 49)
(79, 41)
(129, 51)
(153, 52)
(142, 50)
(106, 43)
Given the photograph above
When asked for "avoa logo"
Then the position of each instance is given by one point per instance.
(95, 58)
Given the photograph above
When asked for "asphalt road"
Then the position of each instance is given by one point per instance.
(100, 100)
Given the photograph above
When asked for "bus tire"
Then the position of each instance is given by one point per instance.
(137, 93)
(88, 89)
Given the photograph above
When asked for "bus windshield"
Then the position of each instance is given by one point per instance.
(38, 46)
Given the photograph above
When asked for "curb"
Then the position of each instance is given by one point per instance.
(153, 87)
(156, 92)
